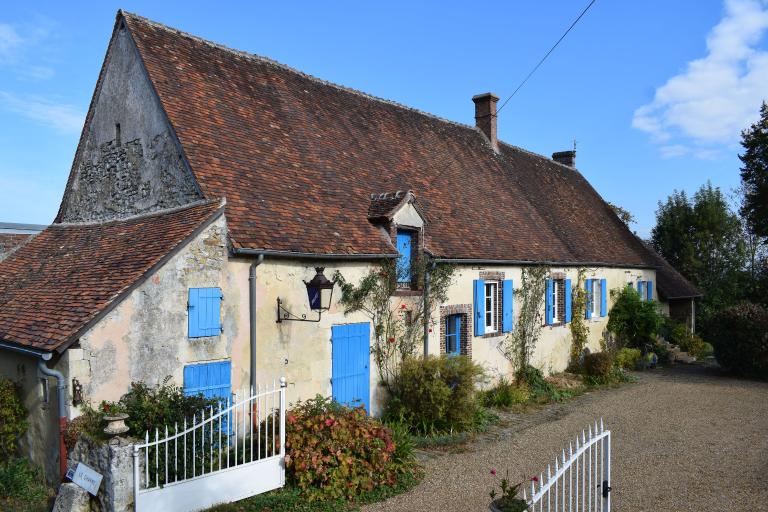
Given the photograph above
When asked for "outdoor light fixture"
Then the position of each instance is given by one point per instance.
(319, 292)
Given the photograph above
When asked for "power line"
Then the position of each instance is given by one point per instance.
(545, 56)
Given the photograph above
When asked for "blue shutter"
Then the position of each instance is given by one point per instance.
(212, 380)
(479, 307)
(640, 288)
(649, 290)
(548, 304)
(588, 308)
(204, 312)
(404, 244)
(567, 300)
(603, 297)
(507, 305)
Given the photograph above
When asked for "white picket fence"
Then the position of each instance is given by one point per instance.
(222, 455)
(581, 481)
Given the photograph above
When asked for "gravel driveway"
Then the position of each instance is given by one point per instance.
(684, 439)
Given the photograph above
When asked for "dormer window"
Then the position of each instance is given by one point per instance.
(405, 247)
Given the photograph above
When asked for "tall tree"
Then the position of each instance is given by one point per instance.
(672, 237)
(754, 174)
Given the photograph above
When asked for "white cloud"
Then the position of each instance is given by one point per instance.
(10, 41)
(717, 96)
(64, 118)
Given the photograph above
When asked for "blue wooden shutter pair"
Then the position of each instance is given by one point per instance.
(212, 380)
(588, 288)
(204, 312)
(567, 300)
(549, 304)
(640, 289)
(508, 305)
(479, 289)
(649, 290)
(603, 297)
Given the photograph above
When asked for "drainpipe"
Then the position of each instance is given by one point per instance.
(61, 387)
(252, 316)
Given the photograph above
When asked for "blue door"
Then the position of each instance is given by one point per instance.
(453, 334)
(351, 375)
(404, 243)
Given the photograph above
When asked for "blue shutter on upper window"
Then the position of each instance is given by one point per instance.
(204, 312)
(479, 289)
(567, 300)
(507, 300)
(549, 303)
(649, 290)
(590, 298)
(603, 297)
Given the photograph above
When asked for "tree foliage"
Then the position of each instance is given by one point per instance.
(623, 214)
(634, 322)
(397, 336)
(754, 174)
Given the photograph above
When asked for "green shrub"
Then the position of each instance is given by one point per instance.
(634, 322)
(505, 394)
(435, 394)
(598, 364)
(13, 418)
(22, 485)
(336, 452)
(627, 358)
(688, 341)
(740, 338)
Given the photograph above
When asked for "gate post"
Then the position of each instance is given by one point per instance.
(283, 389)
(135, 478)
(607, 473)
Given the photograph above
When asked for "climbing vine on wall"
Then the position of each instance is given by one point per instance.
(519, 344)
(579, 327)
(398, 330)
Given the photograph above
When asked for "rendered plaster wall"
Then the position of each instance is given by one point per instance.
(145, 337)
(138, 171)
(553, 349)
(40, 442)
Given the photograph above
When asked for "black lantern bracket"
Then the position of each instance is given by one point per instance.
(319, 292)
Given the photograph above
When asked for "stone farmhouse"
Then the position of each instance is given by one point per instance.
(209, 184)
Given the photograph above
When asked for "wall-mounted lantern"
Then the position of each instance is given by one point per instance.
(319, 293)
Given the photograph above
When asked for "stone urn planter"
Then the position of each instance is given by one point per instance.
(116, 425)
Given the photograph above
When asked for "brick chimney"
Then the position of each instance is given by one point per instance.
(485, 116)
(565, 157)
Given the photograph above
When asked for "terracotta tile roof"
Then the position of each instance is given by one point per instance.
(297, 159)
(65, 276)
(670, 283)
(384, 205)
(9, 241)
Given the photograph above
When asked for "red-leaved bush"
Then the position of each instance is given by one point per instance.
(337, 452)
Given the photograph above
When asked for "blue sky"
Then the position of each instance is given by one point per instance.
(654, 92)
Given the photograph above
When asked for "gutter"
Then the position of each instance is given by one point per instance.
(61, 388)
(468, 261)
(311, 255)
(252, 316)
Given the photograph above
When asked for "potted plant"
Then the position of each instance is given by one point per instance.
(508, 500)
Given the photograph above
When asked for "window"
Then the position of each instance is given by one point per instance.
(558, 301)
(453, 334)
(204, 308)
(593, 297)
(491, 306)
(405, 249)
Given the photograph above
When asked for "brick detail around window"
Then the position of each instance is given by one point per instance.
(486, 275)
(466, 326)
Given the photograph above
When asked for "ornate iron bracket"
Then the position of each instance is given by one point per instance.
(283, 315)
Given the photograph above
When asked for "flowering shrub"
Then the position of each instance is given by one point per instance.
(627, 358)
(508, 500)
(688, 341)
(336, 452)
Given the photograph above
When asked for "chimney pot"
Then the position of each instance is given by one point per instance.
(565, 157)
(485, 116)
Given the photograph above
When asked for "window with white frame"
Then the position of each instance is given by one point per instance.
(594, 299)
(491, 306)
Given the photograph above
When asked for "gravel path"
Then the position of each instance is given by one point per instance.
(684, 439)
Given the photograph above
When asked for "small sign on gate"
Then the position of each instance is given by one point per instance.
(85, 477)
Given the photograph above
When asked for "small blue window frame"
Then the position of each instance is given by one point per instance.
(453, 324)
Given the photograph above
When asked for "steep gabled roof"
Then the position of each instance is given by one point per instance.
(70, 274)
(297, 159)
(671, 283)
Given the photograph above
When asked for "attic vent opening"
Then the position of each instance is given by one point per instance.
(118, 137)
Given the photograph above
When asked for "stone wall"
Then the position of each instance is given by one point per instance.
(114, 461)
(128, 163)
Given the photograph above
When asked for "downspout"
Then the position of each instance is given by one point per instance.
(61, 387)
(252, 315)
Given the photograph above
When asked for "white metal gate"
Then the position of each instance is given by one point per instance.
(227, 453)
(581, 481)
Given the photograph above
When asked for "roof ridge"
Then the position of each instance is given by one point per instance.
(286, 67)
(156, 213)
